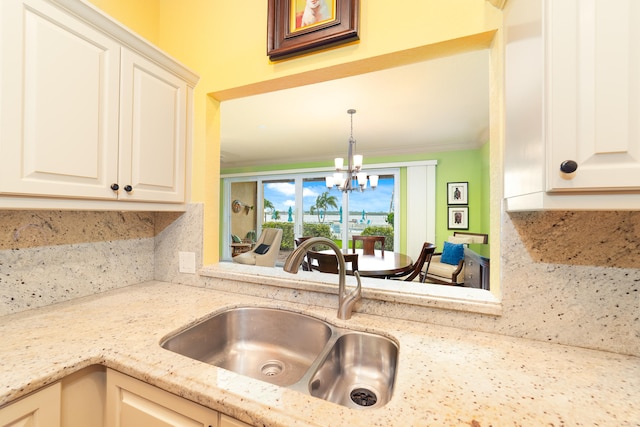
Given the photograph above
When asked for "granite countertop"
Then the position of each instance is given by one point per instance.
(446, 376)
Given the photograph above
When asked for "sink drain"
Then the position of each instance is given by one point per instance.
(363, 397)
(271, 368)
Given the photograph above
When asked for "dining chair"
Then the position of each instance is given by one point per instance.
(368, 243)
(298, 241)
(328, 263)
(418, 267)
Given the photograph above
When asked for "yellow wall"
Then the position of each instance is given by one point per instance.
(226, 45)
(140, 16)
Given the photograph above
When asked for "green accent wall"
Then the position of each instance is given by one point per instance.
(470, 166)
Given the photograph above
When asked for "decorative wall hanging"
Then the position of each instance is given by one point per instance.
(237, 206)
(295, 27)
(458, 217)
(457, 193)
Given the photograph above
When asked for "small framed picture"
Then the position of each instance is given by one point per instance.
(458, 217)
(457, 193)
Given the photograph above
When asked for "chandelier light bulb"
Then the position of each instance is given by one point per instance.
(357, 161)
(329, 181)
(339, 163)
(373, 180)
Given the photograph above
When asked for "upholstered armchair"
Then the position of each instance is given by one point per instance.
(450, 271)
(265, 252)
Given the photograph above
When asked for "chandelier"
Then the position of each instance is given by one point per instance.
(352, 177)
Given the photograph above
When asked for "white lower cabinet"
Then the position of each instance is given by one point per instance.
(226, 421)
(99, 397)
(40, 409)
(83, 398)
(133, 403)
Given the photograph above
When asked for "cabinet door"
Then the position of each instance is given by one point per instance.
(41, 409)
(226, 421)
(593, 91)
(152, 131)
(59, 105)
(133, 403)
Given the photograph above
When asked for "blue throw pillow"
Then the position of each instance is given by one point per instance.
(262, 249)
(452, 253)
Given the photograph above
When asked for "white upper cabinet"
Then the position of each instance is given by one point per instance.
(60, 98)
(572, 86)
(89, 112)
(152, 131)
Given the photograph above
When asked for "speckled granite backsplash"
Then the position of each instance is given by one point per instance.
(608, 239)
(567, 277)
(52, 256)
(572, 278)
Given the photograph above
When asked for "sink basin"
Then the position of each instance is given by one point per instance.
(358, 372)
(353, 369)
(276, 346)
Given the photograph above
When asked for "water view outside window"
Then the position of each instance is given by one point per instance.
(322, 211)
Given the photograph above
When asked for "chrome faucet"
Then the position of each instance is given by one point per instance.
(346, 300)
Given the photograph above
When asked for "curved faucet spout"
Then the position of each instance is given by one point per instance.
(346, 301)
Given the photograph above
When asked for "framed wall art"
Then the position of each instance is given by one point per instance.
(457, 193)
(458, 217)
(296, 27)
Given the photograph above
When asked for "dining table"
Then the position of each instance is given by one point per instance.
(379, 265)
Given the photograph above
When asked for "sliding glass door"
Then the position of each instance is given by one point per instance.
(301, 205)
(280, 202)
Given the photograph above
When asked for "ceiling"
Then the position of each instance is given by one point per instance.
(436, 105)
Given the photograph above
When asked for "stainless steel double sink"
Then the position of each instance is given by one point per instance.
(350, 368)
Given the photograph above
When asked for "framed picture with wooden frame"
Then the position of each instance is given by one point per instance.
(296, 27)
(457, 193)
(458, 217)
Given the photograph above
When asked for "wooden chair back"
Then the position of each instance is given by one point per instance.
(368, 243)
(298, 241)
(419, 268)
(328, 263)
(476, 237)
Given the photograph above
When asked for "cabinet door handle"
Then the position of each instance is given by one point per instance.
(128, 188)
(568, 166)
(115, 187)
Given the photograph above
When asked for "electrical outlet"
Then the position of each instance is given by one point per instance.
(187, 262)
